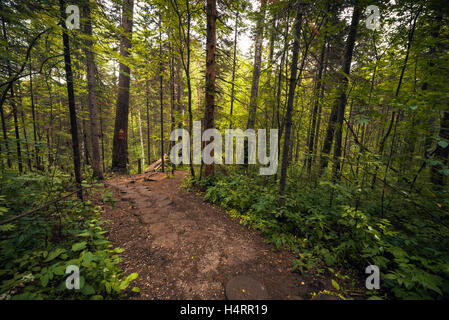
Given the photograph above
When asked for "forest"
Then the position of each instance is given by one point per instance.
(92, 91)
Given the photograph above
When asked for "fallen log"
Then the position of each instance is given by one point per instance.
(157, 164)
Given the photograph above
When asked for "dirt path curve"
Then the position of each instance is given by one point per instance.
(184, 248)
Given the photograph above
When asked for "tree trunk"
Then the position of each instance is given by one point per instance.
(318, 86)
(50, 126)
(189, 84)
(22, 117)
(172, 99)
(441, 153)
(184, 32)
(234, 61)
(5, 136)
(337, 112)
(142, 146)
(211, 43)
(120, 143)
(92, 96)
(291, 95)
(161, 94)
(147, 96)
(394, 115)
(102, 140)
(85, 145)
(13, 104)
(257, 66)
(347, 60)
(71, 99)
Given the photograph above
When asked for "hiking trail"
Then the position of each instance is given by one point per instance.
(185, 248)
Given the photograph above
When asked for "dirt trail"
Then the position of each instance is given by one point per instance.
(184, 248)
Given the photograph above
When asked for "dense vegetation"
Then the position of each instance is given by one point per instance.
(362, 114)
(36, 250)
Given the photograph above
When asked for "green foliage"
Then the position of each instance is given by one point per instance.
(412, 257)
(36, 250)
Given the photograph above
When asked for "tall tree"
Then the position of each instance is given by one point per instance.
(147, 102)
(442, 147)
(291, 97)
(211, 44)
(347, 60)
(257, 64)
(337, 112)
(184, 30)
(161, 93)
(120, 140)
(33, 112)
(234, 61)
(92, 94)
(71, 99)
(13, 104)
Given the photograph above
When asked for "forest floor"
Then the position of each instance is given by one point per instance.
(184, 248)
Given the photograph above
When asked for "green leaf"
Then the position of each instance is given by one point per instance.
(443, 144)
(53, 254)
(335, 284)
(87, 290)
(125, 282)
(79, 246)
(89, 257)
(84, 234)
(135, 289)
(390, 276)
(60, 270)
(44, 280)
(132, 276)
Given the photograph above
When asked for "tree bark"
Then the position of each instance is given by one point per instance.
(337, 112)
(347, 60)
(184, 32)
(71, 99)
(161, 94)
(234, 61)
(172, 100)
(22, 118)
(319, 83)
(147, 96)
(291, 96)
(211, 43)
(33, 112)
(92, 95)
(257, 66)
(120, 142)
(13, 105)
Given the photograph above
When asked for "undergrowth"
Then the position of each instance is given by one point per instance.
(36, 250)
(328, 228)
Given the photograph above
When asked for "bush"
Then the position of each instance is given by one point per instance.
(410, 250)
(36, 250)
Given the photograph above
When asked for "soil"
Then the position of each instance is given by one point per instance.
(184, 248)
